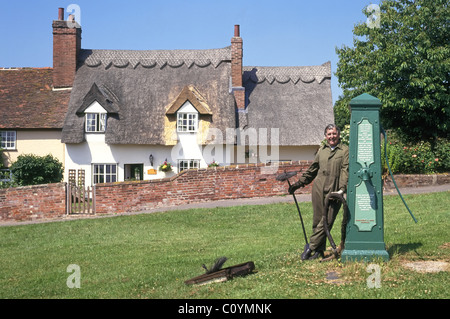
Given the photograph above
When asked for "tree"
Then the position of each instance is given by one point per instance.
(402, 58)
(34, 170)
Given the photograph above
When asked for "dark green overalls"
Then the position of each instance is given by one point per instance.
(330, 174)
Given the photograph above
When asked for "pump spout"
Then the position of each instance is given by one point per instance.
(365, 173)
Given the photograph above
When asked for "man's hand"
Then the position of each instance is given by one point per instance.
(294, 187)
(339, 192)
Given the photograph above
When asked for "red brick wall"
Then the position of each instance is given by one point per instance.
(202, 185)
(416, 180)
(33, 202)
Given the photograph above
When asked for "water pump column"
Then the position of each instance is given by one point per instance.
(365, 228)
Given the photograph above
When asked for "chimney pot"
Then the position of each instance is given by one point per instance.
(60, 14)
(236, 30)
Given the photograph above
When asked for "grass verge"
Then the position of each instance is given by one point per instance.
(151, 255)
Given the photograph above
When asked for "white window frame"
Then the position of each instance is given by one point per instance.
(104, 173)
(95, 122)
(187, 122)
(8, 140)
(184, 164)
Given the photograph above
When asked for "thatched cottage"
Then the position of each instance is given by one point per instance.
(131, 111)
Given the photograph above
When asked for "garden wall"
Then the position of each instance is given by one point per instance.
(33, 202)
(191, 186)
(416, 180)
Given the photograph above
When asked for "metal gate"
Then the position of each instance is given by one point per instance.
(80, 199)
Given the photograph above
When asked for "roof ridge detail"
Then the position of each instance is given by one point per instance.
(284, 74)
(153, 58)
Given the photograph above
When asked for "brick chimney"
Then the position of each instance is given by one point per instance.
(66, 46)
(236, 69)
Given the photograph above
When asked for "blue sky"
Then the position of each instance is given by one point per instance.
(275, 32)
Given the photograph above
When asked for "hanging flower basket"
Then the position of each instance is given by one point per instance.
(213, 164)
(165, 167)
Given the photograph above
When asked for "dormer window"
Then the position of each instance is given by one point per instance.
(95, 122)
(187, 118)
(188, 107)
(98, 103)
(187, 122)
(95, 118)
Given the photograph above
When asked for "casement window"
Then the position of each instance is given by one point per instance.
(187, 122)
(8, 140)
(95, 122)
(187, 164)
(104, 173)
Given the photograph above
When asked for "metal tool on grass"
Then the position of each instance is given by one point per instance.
(218, 274)
(285, 177)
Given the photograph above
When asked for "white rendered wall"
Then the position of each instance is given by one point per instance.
(96, 151)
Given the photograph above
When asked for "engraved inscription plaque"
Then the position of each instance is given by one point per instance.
(365, 143)
(365, 200)
(365, 207)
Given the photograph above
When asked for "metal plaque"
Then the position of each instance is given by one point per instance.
(365, 206)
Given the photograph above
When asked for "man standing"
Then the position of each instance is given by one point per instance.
(330, 174)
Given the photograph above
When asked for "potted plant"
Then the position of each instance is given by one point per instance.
(213, 164)
(165, 167)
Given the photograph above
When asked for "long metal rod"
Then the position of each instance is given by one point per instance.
(392, 175)
(301, 219)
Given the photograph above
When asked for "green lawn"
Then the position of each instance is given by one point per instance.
(151, 255)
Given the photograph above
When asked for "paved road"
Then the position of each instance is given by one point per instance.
(239, 202)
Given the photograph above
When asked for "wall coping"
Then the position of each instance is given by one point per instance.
(216, 168)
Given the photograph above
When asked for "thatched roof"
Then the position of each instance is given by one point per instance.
(144, 85)
(103, 96)
(155, 58)
(197, 100)
(297, 100)
(142, 89)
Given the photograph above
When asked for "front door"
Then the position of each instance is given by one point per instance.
(134, 172)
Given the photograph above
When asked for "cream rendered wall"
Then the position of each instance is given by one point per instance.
(37, 142)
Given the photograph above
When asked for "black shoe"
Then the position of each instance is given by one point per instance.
(317, 254)
(306, 254)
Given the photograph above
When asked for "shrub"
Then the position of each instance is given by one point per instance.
(345, 134)
(423, 157)
(34, 170)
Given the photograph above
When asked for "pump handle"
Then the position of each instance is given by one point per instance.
(392, 175)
